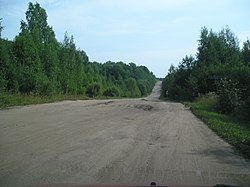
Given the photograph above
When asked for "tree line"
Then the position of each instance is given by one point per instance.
(220, 67)
(36, 63)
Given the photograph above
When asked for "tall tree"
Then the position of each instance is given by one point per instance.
(36, 49)
(36, 63)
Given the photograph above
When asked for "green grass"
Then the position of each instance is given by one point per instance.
(8, 100)
(231, 128)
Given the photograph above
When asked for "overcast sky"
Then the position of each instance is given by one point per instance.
(154, 33)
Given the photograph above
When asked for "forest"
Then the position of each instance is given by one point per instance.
(35, 63)
(221, 68)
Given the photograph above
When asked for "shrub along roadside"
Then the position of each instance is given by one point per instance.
(235, 131)
(111, 92)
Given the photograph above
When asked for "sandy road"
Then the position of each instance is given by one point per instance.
(128, 141)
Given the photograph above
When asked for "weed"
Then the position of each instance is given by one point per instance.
(234, 130)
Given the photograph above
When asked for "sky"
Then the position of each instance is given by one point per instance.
(153, 33)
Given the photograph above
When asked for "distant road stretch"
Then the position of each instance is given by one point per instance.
(120, 141)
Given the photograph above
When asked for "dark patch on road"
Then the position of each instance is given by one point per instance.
(144, 107)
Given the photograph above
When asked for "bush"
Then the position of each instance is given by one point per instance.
(3, 83)
(44, 86)
(244, 109)
(229, 96)
(142, 89)
(93, 90)
(111, 92)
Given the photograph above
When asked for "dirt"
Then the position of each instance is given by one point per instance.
(120, 141)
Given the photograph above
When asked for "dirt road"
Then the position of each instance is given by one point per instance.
(123, 141)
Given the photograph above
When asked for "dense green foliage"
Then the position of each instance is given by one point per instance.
(228, 95)
(220, 67)
(230, 128)
(111, 92)
(35, 63)
(93, 90)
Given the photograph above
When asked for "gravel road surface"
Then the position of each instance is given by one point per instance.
(120, 141)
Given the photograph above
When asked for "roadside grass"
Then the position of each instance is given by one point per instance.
(229, 127)
(9, 100)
